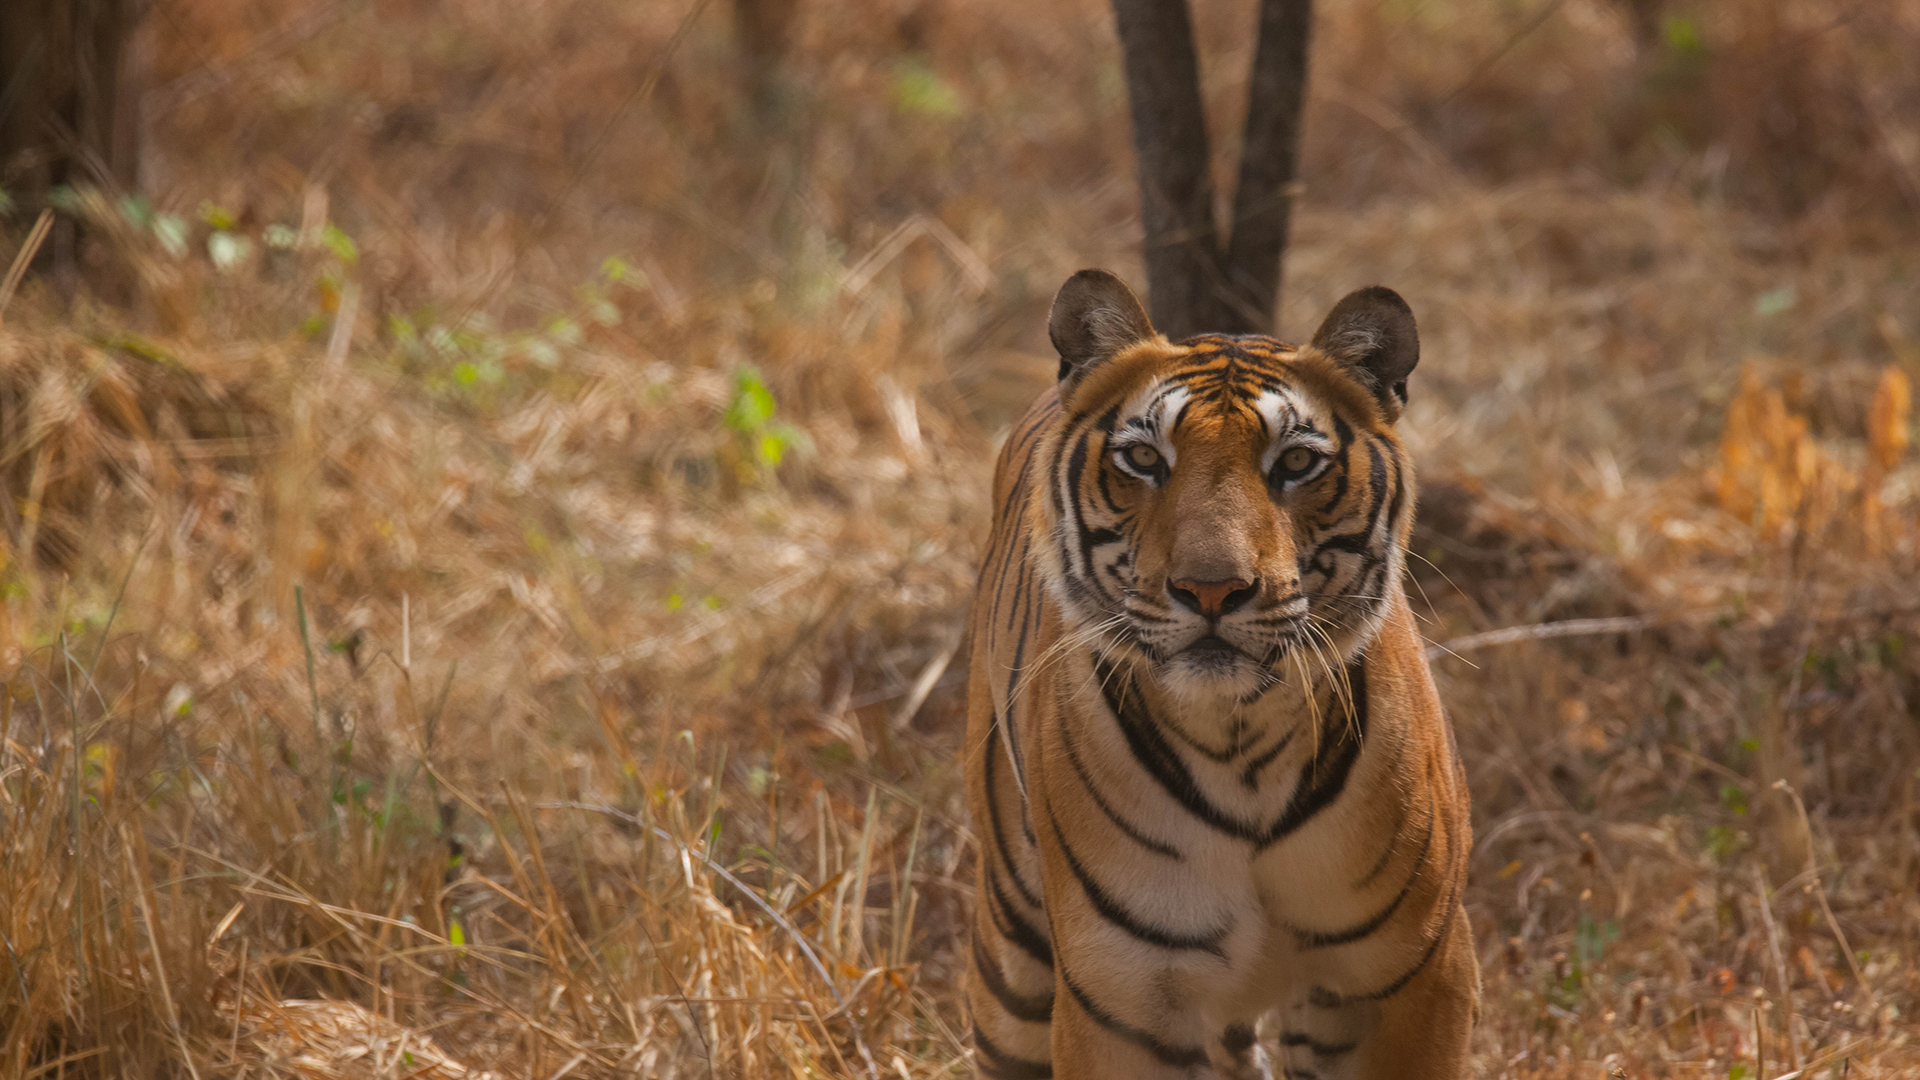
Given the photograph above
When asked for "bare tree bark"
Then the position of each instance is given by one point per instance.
(1202, 277)
(1269, 161)
(67, 107)
(1170, 144)
(765, 30)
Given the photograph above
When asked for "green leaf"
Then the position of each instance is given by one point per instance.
(456, 934)
(1733, 797)
(1683, 36)
(1775, 301)
(1591, 938)
(171, 231)
(138, 211)
(752, 405)
(341, 244)
(920, 91)
(771, 449)
(218, 216)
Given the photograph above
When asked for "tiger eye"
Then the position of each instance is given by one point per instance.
(1143, 457)
(1298, 459)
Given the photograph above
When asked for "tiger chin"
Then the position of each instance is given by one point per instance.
(1223, 823)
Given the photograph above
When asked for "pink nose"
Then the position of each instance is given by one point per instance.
(1211, 598)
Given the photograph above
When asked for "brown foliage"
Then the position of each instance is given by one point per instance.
(424, 637)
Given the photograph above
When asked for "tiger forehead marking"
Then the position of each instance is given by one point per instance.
(1219, 811)
(1222, 460)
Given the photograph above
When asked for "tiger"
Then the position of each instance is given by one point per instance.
(1210, 775)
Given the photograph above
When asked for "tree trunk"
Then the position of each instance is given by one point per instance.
(765, 30)
(1176, 184)
(1201, 277)
(67, 107)
(1269, 161)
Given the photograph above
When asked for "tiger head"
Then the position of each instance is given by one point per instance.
(1229, 512)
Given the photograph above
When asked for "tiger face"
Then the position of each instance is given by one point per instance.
(1228, 511)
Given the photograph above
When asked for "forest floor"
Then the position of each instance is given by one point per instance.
(488, 532)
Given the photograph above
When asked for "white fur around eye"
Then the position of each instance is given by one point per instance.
(1152, 415)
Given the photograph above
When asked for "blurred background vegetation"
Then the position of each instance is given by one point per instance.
(491, 493)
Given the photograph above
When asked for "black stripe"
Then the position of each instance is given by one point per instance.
(1126, 827)
(1377, 476)
(1220, 757)
(1179, 1057)
(1312, 940)
(1392, 845)
(1076, 467)
(1031, 896)
(1001, 1065)
(1320, 782)
(1034, 1010)
(1327, 999)
(1237, 1038)
(1106, 492)
(1319, 1049)
(1343, 435)
(1160, 761)
(1110, 909)
(1013, 926)
(1022, 568)
(1251, 775)
(1025, 611)
(1013, 520)
(1399, 497)
(1316, 790)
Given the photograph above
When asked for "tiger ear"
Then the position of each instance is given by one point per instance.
(1371, 334)
(1094, 316)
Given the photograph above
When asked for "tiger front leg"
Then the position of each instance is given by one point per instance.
(1010, 974)
(1009, 988)
(1170, 1038)
(1426, 1025)
(1418, 1031)
(1145, 1028)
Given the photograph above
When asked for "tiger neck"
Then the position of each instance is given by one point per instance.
(1320, 698)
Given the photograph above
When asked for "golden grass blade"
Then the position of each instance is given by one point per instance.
(29, 248)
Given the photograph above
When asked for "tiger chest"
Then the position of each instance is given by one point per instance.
(1248, 864)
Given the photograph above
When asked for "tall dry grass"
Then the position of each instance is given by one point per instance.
(485, 541)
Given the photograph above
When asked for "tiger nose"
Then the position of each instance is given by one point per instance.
(1211, 598)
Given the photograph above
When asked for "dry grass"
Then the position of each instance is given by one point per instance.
(433, 649)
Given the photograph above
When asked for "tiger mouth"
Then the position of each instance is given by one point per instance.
(1212, 651)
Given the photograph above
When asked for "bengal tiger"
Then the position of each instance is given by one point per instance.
(1209, 770)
